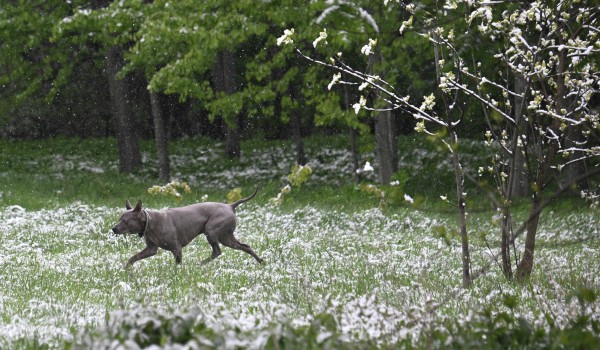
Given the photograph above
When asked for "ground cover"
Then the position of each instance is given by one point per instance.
(341, 271)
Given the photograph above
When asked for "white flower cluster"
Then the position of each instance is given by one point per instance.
(322, 36)
(368, 82)
(286, 38)
(361, 104)
(428, 103)
(406, 25)
(369, 48)
(335, 80)
(592, 197)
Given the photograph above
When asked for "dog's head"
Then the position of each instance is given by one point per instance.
(132, 221)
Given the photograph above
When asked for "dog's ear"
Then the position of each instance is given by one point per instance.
(138, 206)
(128, 205)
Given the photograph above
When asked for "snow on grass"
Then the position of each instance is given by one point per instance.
(384, 277)
(202, 163)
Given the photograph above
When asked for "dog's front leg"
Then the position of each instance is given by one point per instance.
(145, 253)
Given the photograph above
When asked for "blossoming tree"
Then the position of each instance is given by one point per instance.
(535, 90)
(537, 103)
(426, 112)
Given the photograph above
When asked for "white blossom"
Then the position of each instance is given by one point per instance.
(420, 127)
(428, 103)
(286, 38)
(369, 48)
(322, 36)
(361, 103)
(335, 80)
(406, 24)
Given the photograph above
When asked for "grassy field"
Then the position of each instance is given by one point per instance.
(340, 272)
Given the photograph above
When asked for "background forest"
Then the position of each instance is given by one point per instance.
(139, 69)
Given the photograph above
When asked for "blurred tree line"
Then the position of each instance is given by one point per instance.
(163, 69)
(140, 69)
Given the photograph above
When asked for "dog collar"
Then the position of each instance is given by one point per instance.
(147, 223)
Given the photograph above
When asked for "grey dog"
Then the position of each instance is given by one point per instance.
(172, 229)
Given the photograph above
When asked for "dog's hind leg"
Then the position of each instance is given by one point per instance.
(216, 250)
(230, 241)
(177, 254)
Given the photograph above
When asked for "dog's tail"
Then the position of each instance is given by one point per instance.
(235, 204)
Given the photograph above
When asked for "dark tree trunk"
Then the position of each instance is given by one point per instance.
(526, 265)
(297, 137)
(505, 242)
(224, 81)
(520, 184)
(232, 140)
(130, 158)
(355, 160)
(160, 137)
(577, 168)
(546, 160)
(385, 133)
(385, 137)
(353, 143)
(518, 177)
(459, 179)
(296, 128)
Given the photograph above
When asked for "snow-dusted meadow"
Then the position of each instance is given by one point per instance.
(385, 277)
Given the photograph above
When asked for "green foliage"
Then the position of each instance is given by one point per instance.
(501, 330)
(146, 328)
(376, 192)
(234, 195)
(172, 189)
(299, 175)
(486, 329)
(393, 194)
(27, 54)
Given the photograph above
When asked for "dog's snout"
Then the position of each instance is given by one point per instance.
(115, 231)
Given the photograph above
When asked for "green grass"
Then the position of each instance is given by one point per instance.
(340, 272)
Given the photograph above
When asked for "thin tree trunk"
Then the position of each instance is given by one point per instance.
(385, 134)
(295, 125)
(459, 179)
(224, 80)
(505, 242)
(385, 137)
(520, 184)
(353, 144)
(297, 137)
(130, 158)
(232, 140)
(517, 185)
(355, 161)
(160, 137)
(462, 213)
(525, 267)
